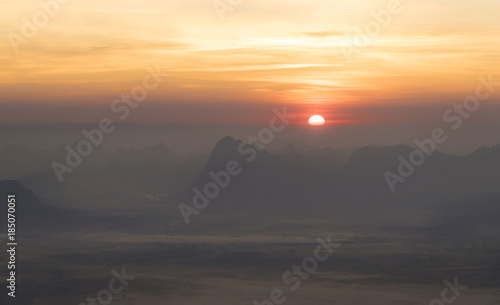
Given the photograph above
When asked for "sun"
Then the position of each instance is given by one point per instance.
(316, 120)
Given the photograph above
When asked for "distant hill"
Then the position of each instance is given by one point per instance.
(17, 161)
(150, 154)
(151, 165)
(267, 184)
(473, 212)
(293, 183)
(328, 156)
(32, 213)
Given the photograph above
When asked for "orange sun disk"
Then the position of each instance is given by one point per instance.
(316, 120)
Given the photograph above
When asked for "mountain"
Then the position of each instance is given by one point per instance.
(272, 184)
(29, 210)
(377, 158)
(33, 213)
(28, 201)
(148, 155)
(44, 180)
(97, 160)
(473, 212)
(34, 167)
(484, 166)
(17, 161)
(292, 183)
(150, 166)
(328, 156)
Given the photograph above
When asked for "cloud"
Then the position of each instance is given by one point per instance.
(323, 34)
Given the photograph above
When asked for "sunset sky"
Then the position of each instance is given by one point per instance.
(264, 53)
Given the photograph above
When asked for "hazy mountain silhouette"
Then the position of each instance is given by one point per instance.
(323, 157)
(17, 161)
(150, 154)
(294, 184)
(150, 165)
(267, 184)
(33, 213)
(97, 160)
(30, 210)
(293, 181)
(473, 212)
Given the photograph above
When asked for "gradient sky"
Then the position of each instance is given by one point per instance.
(264, 53)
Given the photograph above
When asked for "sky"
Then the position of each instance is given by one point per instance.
(261, 55)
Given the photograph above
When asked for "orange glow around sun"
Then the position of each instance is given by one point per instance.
(264, 58)
(316, 120)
